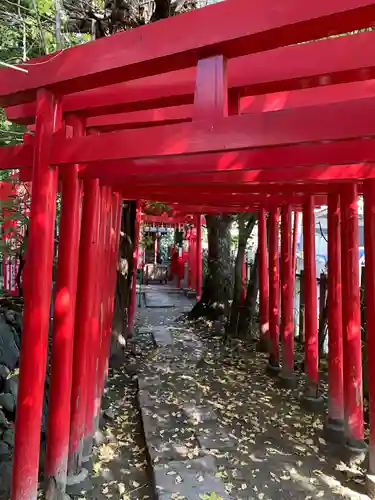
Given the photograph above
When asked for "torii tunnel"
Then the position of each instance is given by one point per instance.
(226, 117)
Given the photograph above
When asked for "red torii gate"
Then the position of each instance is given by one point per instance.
(220, 150)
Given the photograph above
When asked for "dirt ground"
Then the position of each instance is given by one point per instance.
(268, 446)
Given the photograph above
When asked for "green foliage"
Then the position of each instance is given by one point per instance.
(212, 496)
(154, 207)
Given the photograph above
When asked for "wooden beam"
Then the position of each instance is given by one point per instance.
(326, 62)
(230, 200)
(337, 121)
(317, 174)
(168, 169)
(14, 157)
(171, 44)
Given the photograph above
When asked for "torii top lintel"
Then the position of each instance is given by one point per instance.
(172, 44)
(284, 69)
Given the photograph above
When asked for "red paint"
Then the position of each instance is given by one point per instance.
(335, 354)
(287, 323)
(263, 274)
(58, 429)
(133, 293)
(274, 285)
(163, 219)
(343, 120)
(115, 236)
(288, 68)
(294, 242)
(85, 300)
(229, 201)
(95, 312)
(369, 224)
(87, 66)
(351, 319)
(346, 157)
(311, 318)
(37, 304)
(198, 249)
(189, 257)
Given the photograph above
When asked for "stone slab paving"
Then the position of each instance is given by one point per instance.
(215, 423)
(156, 299)
(175, 447)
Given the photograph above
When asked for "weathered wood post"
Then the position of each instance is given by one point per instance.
(133, 292)
(85, 302)
(287, 373)
(95, 320)
(109, 303)
(263, 282)
(351, 320)
(311, 397)
(369, 233)
(274, 291)
(301, 314)
(335, 421)
(38, 288)
(199, 257)
(58, 425)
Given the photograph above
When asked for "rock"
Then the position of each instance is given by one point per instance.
(7, 402)
(11, 386)
(4, 450)
(5, 478)
(14, 318)
(9, 352)
(3, 420)
(8, 437)
(17, 338)
(108, 414)
(4, 371)
(10, 316)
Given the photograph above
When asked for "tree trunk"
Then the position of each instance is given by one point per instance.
(248, 311)
(122, 292)
(244, 230)
(217, 287)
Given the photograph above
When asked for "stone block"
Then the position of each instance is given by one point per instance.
(8, 437)
(199, 413)
(162, 336)
(7, 402)
(190, 479)
(215, 439)
(9, 352)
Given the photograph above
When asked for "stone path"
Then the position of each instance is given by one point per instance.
(216, 426)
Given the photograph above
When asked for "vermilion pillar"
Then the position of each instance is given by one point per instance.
(274, 285)
(63, 328)
(85, 302)
(37, 303)
(113, 253)
(199, 257)
(193, 259)
(133, 293)
(294, 245)
(190, 281)
(351, 319)
(369, 231)
(335, 360)
(287, 326)
(311, 312)
(105, 306)
(263, 280)
(96, 318)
